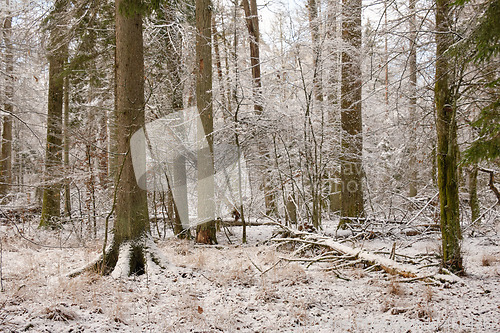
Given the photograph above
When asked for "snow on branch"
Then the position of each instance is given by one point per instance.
(343, 256)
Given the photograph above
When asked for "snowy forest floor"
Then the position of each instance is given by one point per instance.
(222, 289)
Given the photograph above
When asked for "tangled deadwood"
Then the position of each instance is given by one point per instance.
(342, 256)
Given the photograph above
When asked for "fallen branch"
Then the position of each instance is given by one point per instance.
(344, 256)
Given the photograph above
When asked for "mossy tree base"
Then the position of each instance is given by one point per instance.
(134, 257)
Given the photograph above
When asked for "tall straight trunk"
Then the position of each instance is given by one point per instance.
(132, 221)
(218, 63)
(473, 199)
(315, 161)
(227, 78)
(51, 206)
(103, 156)
(205, 231)
(252, 22)
(314, 27)
(173, 49)
(334, 196)
(67, 192)
(6, 154)
(412, 63)
(447, 148)
(91, 152)
(352, 127)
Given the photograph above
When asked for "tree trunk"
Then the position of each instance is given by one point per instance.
(103, 155)
(131, 225)
(252, 22)
(6, 154)
(67, 192)
(412, 63)
(334, 195)
(173, 49)
(447, 148)
(220, 76)
(473, 199)
(291, 209)
(314, 27)
(352, 129)
(205, 230)
(51, 206)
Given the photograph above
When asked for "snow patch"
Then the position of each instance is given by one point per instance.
(122, 268)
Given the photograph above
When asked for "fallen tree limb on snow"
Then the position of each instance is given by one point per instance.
(388, 265)
(343, 256)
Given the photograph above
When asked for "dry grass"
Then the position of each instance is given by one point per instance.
(240, 273)
(387, 304)
(395, 288)
(488, 260)
(267, 293)
(428, 293)
(59, 312)
(289, 275)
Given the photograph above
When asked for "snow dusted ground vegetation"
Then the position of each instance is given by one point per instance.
(240, 288)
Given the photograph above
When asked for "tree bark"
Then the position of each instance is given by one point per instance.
(205, 230)
(220, 75)
(334, 196)
(473, 199)
(312, 8)
(103, 155)
(6, 154)
(447, 148)
(131, 224)
(352, 128)
(252, 22)
(51, 207)
(67, 192)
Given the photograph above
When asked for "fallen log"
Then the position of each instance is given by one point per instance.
(349, 255)
(388, 265)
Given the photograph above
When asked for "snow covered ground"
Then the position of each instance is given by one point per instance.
(223, 289)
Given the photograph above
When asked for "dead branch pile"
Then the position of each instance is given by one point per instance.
(341, 256)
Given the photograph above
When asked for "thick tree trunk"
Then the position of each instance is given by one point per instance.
(252, 22)
(6, 154)
(412, 63)
(352, 129)
(131, 225)
(205, 231)
(447, 148)
(51, 206)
